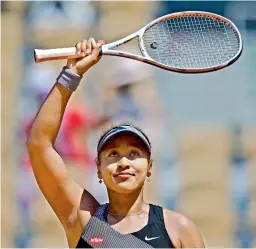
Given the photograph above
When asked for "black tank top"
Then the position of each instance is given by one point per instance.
(154, 233)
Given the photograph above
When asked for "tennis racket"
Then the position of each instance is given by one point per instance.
(185, 42)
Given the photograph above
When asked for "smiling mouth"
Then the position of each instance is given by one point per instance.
(123, 174)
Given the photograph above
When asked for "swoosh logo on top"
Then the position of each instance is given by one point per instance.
(148, 239)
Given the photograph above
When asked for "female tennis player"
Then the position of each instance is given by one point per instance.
(123, 162)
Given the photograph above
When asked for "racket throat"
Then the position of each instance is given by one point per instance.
(118, 43)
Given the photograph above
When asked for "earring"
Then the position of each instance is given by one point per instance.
(148, 178)
(100, 181)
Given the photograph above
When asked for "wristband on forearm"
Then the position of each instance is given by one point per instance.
(69, 79)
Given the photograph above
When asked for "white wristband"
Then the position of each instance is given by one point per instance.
(69, 79)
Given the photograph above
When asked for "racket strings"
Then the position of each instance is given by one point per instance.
(191, 42)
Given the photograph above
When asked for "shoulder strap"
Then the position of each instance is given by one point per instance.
(156, 214)
(100, 212)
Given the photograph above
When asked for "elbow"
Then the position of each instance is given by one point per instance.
(36, 143)
(39, 138)
(32, 143)
(32, 140)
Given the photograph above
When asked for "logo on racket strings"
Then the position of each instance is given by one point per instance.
(95, 241)
(154, 45)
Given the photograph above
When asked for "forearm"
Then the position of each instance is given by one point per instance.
(49, 117)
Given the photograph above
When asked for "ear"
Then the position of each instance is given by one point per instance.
(97, 161)
(150, 165)
(99, 175)
(98, 167)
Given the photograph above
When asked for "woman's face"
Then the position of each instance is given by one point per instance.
(124, 164)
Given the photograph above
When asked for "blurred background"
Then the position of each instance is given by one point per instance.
(202, 127)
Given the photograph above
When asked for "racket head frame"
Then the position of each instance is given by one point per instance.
(106, 49)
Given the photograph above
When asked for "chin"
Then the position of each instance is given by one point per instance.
(126, 187)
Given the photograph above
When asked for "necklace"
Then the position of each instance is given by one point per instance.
(124, 214)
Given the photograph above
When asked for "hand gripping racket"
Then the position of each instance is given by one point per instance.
(185, 42)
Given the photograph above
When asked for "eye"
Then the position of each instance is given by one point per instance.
(113, 154)
(134, 153)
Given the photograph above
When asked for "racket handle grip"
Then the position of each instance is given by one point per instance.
(41, 55)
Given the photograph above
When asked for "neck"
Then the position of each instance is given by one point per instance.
(126, 204)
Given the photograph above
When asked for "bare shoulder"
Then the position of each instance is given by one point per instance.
(184, 229)
(179, 219)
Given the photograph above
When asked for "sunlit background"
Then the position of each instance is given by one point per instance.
(202, 127)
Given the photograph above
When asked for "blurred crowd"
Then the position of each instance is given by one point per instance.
(202, 128)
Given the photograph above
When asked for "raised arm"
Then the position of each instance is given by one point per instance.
(64, 195)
